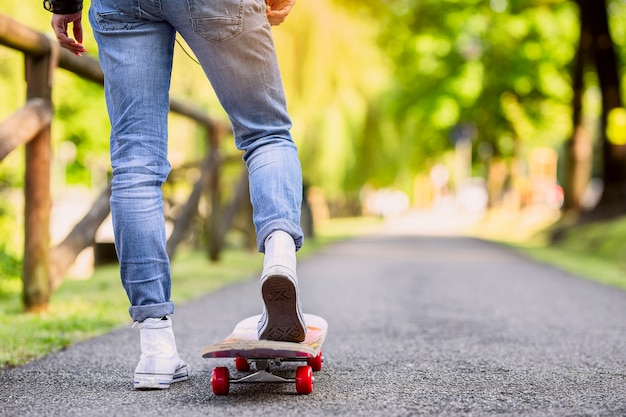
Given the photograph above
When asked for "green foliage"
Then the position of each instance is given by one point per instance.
(10, 274)
(80, 117)
(10, 251)
(501, 66)
(332, 70)
(10, 265)
(375, 88)
(617, 25)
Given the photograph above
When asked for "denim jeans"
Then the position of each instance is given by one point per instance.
(233, 43)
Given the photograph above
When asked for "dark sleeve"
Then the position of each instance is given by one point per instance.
(63, 6)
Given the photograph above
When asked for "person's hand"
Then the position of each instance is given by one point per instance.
(277, 10)
(60, 24)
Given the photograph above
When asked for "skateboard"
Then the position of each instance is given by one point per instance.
(267, 356)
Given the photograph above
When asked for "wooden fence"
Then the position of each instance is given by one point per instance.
(44, 266)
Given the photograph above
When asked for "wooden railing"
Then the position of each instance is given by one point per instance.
(29, 126)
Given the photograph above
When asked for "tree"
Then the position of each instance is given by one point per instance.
(501, 66)
(601, 53)
(579, 147)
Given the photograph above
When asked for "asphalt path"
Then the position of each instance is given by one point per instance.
(418, 325)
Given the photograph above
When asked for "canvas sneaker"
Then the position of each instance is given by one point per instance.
(282, 314)
(159, 364)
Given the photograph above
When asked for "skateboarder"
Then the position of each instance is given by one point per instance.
(233, 43)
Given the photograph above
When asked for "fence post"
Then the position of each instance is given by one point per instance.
(214, 244)
(37, 200)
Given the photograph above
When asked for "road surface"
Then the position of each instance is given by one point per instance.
(418, 325)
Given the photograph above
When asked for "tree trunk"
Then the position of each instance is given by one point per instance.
(579, 147)
(613, 201)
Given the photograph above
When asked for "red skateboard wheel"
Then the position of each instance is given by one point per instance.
(220, 380)
(304, 380)
(242, 365)
(316, 362)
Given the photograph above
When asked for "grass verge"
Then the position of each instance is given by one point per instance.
(593, 251)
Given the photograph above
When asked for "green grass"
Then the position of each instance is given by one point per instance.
(585, 265)
(81, 309)
(84, 308)
(593, 251)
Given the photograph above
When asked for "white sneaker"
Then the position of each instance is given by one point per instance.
(159, 365)
(282, 313)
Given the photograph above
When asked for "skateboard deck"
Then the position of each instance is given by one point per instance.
(267, 356)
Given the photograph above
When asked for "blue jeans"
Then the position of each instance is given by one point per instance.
(232, 41)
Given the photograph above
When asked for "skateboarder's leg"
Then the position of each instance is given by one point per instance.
(240, 61)
(136, 57)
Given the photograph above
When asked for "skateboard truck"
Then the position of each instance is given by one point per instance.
(221, 380)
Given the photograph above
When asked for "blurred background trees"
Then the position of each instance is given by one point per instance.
(510, 77)
(516, 102)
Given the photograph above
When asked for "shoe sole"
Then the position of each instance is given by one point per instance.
(160, 381)
(283, 322)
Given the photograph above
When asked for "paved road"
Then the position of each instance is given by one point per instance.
(418, 326)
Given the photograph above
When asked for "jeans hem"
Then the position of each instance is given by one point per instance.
(284, 225)
(140, 313)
